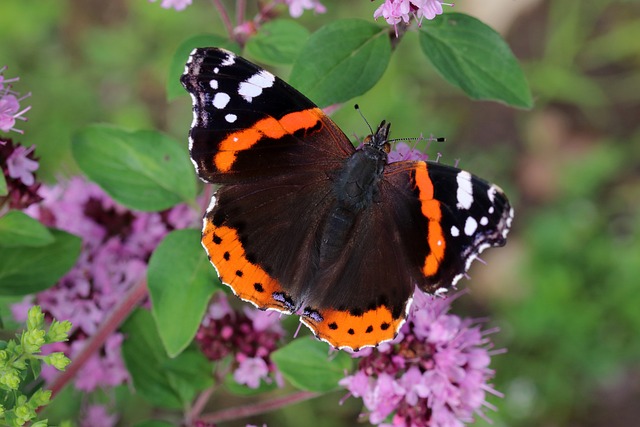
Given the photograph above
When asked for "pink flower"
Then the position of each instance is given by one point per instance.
(20, 166)
(248, 335)
(436, 376)
(382, 398)
(117, 244)
(10, 105)
(396, 11)
(402, 151)
(97, 416)
(174, 4)
(297, 7)
(250, 371)
(17, 164)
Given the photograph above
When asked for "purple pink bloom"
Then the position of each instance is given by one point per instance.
(18, 164)
(297, 7)
(117, 244)
(435, 373)
(250, 336)
(397, 11)
(10, 100)
(174, 4)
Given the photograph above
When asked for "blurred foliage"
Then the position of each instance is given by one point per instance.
(565, 289)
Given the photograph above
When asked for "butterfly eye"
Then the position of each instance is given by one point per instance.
(367, 140)
(387, 147)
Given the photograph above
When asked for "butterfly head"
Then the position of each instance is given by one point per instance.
(380, 139)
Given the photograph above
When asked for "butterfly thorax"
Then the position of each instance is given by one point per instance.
(356, 187)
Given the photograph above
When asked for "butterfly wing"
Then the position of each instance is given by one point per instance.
(273, 151)
(462, 213)
(427, 226)
(248, 123)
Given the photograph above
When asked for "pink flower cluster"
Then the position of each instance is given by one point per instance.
(249, 336)
(117, 244)
(18, 164)
(10, 104)
(435, 373)
(297, 7)
(396, 11)
(402, 151)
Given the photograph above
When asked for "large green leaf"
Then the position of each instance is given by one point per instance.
(165, 382)
(277, 42)
(181, 282)
(174, 88)
(475, 58)
(25, 270)
(341, 60)
(307, 364)
(143, 170)
(19, 229)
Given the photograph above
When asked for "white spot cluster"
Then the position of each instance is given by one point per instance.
(253, 86)
(464, 202)
(248, 89)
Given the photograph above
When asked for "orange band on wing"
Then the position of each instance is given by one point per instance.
(431, 210)
(269, 128)
(343, 329)
(248, 281)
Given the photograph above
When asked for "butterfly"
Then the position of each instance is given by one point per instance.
(304, 223)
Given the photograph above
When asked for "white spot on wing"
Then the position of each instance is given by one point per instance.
(484, 220)
(220, 100)
(491, 193)
(229, 60)
(465, 190)
(255, 84)
(470, 226)
(230, 118)
(454, 231)
(213, 84)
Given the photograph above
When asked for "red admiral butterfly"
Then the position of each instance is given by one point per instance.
(304, 223)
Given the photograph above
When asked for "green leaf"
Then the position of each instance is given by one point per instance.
(341, 60)
(143, 170)
(19, 229)
(3, 186)
(189, 373)
(308, 365)
(25, 270)
(181, 282)
(174, 88)
(164, 382)
(475, 58)
(277, 42)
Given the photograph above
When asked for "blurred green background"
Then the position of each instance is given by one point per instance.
(564, 291)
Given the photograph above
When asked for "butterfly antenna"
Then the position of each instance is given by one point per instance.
(357, 107)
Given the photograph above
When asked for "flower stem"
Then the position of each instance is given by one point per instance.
(120, 312)
(257, 408)
(225, 17)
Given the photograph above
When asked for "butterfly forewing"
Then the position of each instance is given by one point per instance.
(247, 123)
